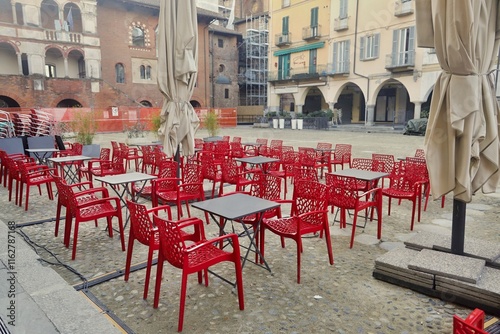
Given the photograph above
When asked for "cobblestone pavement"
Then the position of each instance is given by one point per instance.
(343, 298)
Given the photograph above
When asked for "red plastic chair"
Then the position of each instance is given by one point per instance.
(473, 324)
(85, 193)
(344, 194)
(196, 258)
(104, 155)
(406, 183)
(143, 230)
(254, 150)
(386, 161)
(34, 175)
(369, 165)
(236, 139)
(323, 157)
(210, 169)
(289, 160)
(308, 215)
(232, 174)
(341, 156)
(130, 154)
(106, 167)
(420, 153)
(106, 207)
(148, 159)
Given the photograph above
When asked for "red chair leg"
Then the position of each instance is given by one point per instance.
(129, 256)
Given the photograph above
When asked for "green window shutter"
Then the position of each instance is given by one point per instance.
(284, 26)
(314, 17)
(376, 43)
(362, 42)
(347, 51)
(411, 45)
(335, 56)
(395, 42)
(343, 9)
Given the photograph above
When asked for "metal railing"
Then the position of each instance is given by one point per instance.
(403, 7)
(400, 59)
(340, 23)
(283, 39)
(309, 32)
(63, 36)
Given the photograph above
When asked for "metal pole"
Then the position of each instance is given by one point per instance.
(458, 227)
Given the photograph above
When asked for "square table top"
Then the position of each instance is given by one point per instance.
(37, 150)
(69, 158)
(212, 139)
(235, 206)
(252, 144)
(365, 175)
(257, 160)
(153, 143)
(125, 178)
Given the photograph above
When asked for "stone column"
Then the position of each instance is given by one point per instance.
(299, 108)
(417, 110)
(14, 13)
(20, 63)
(370, 115)
(66, 70)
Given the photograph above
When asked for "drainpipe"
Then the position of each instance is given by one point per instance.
(205, 49)
(354, 62)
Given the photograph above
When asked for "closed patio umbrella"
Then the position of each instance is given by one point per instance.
(177, 71)
(461, 142)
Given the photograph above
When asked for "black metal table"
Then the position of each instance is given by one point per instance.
(41, 153)
(125, 180)
(235, 207)
(66, 164)
(257, 160)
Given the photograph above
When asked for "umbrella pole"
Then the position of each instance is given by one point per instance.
(177, 158)
(458, 227)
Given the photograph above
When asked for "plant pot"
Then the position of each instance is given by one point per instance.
(300, 124)
(282, 123)
(135, 140)
(92, 150)
(275, 123)
(294, 124)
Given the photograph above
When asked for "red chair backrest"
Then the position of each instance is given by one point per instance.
(140, 222)
(309, 196)
(343, 191)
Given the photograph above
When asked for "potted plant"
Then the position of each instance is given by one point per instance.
(211, 123)
(155, 124)
(85, 127)
(135, 133)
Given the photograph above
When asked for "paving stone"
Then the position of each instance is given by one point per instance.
(448, 265)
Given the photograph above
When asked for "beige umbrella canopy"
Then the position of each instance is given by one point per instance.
(177, 70)
(462, 145)
(461, 141)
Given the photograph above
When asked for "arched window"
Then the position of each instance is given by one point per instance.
(120, 73)
(138, 37)
(145, 72)
(142, 69)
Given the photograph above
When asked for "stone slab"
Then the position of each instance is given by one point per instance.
(427, 240)
(489, 283)
(448, 265)
(489, 251)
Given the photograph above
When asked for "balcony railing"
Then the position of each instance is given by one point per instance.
(283, 39)
(311, 33)
(340, 24)
(401, 61)
(63, 36)
(403, 7)
(311, 72)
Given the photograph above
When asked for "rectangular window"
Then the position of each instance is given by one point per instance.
(403, 47)
(284, 26)
(226, 93)
(50, 70)
(341, 56)
(343, 9)
(286, 3)
(314, 17)
(220, 42)
(369, 47)
(24, 63)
